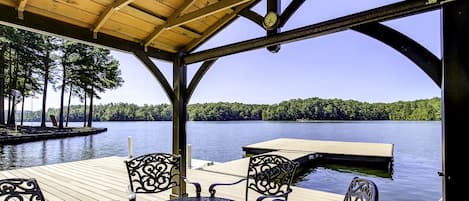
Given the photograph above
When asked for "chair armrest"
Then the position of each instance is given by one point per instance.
(132, 195)
(274, 196)
(212, 190)
(197, 186)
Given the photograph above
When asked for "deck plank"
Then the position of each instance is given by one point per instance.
(106, 179)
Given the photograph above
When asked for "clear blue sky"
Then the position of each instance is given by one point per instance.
(346, 65)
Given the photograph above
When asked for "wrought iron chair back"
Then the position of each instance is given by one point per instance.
(270, 175)
(154, 173)
(20, 189)
(361, 190)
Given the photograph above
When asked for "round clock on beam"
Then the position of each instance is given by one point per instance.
(271, 20)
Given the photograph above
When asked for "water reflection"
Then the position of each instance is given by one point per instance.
(88, 151)
(49, 152)
(61, 150)
(44, 153)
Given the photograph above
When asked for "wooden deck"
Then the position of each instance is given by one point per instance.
(106, 179)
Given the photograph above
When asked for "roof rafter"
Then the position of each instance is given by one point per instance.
(159, 29)
(143, 14)
(215, 27)
(20, 8)
(213, 8)
(115, 6)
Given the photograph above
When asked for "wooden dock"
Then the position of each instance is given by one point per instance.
(240, 167)
(30, 133)
(378, 153)
(106, 179)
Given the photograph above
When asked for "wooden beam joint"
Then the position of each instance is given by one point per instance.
(205, 11)
(215, 27)
(107, 13)
(160, 29)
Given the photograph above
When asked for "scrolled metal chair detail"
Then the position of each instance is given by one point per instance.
(154, 173)
(20, 189)
(361, 190)
(270, 175)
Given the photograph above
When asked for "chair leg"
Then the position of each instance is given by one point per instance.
(132, 195)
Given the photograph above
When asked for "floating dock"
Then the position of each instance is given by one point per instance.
(377, 154)
(106, 179)
(29, 134)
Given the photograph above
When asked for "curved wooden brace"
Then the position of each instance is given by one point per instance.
(197, 77)
(426, 60)
(289, 11)
(253, 16)
(157, 73)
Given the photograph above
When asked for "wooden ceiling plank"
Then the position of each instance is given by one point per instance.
(215, 27)
(118, 4)
(155, 7)
(59, 9)
(156, 20)
(83, 20)
(20, 8)
(159, 29)
(213, 8)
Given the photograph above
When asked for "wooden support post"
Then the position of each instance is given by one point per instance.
(455, 95)
(179, 116)
(274, 5)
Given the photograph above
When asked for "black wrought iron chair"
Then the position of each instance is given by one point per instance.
(20, 189)
(361, 190)
(154, 173)
(268, 174)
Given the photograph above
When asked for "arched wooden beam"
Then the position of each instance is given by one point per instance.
(289, 11)
(253, 16)
(157, 73)
(197, 77)
(426, 60)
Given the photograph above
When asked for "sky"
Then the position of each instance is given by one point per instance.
(345, 65)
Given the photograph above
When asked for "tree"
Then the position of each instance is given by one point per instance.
(105, 74)
(21, 52)
(3, 48)
(69, 58)
(46, 48)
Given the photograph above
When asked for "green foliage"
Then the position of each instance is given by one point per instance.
(337, 109)
(225, 111)
(291, 110)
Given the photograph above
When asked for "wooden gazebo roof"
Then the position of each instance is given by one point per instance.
(166, 25)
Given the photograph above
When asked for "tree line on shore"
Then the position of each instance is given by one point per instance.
(31, 62)
(291, 110)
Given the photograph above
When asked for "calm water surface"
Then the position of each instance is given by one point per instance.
(417, 149)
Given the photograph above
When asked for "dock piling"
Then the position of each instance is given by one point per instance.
(129, 146)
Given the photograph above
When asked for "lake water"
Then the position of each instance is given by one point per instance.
(417, 149)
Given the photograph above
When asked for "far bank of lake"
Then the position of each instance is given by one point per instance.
(417, 149)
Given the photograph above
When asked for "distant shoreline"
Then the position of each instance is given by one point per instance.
(292, 110)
